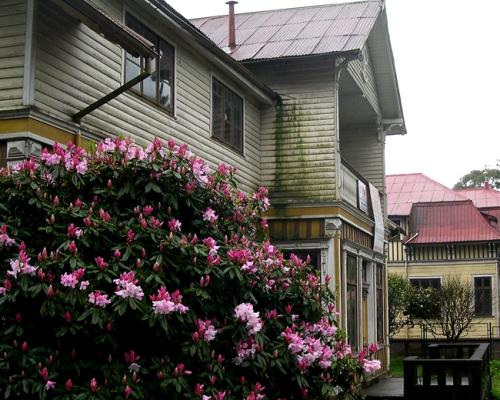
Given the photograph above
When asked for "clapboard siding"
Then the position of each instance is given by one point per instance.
(298, 138)
(12, 42)
(75, 67)
(363, 150)
(362, 73)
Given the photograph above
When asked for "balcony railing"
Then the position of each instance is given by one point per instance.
(354, 188)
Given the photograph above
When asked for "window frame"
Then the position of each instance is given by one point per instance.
(491, 310)
(353, 341)
(380, 301)
(170, 112)
(222, 81)
(26, 136)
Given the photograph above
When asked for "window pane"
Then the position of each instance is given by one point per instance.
(227, 115)
(166, 75)
(352, 300)
(132, 69)
(482, 296)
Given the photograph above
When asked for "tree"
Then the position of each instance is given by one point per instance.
(139, 273)
(476, 179)
(399, 293)
(447, 311)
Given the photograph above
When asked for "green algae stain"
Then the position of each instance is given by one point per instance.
(291, 158)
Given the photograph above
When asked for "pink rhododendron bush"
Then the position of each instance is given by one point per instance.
(138, 273)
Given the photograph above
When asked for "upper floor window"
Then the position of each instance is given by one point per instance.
(482, 296)
(227, 116)
(159, 87)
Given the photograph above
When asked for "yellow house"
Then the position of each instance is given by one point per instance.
(442, 233)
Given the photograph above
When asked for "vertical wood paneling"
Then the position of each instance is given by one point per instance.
(298, 138)
(76, 66)
(12, 42)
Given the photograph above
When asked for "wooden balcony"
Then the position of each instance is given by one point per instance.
(450, 371)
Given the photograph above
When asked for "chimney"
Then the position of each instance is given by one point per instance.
(232, 27)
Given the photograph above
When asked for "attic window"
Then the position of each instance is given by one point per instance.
(13, 152)
(227, 116)
(159, 87)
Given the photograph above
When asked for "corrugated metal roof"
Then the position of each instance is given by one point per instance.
(449, 222)
(405, 190)
(307, 30)
(481, 197)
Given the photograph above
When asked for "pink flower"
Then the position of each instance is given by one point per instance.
(50, 385)
(74, 232)
(72, 248)
(68, 385)
(93, 385)
(68, 280)
(100, 300)
(370, 366)
(21, 265)
(127, 286)
(147, 210)
(104, 215)
(101, 263)
(127, 391)
(174, 225)
(205, 330)
(210, 215)
(244, 312)
(5, 240)
(373, 347)
(166, 303)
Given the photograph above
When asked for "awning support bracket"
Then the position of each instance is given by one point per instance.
(134, 81)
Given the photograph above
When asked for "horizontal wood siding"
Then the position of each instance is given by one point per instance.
(365, 153)
(76, 66)
(298, 138)
(362, 73)
(12, 42)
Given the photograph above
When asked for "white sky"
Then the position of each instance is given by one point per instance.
(447, 59)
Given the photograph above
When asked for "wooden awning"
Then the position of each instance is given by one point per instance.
(114, 31)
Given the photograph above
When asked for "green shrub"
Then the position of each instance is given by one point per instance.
(140, 274)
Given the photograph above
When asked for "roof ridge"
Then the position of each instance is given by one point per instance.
(292, 8)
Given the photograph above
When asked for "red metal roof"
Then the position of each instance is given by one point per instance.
(482, 197)
(296, 31)
(449, 222)
(404, 190)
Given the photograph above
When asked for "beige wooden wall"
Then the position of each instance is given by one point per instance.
(75, 67)
(299, 145)
(12, 44)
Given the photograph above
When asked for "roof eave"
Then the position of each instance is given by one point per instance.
(220, 58)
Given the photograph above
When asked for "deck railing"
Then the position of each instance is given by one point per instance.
(451, 371)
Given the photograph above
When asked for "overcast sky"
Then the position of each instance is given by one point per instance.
(448, 65)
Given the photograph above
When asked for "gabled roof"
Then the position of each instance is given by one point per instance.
(406, 189)
(482, 197)
(334, 28)
(449, 222)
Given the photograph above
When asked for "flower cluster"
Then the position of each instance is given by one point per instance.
(166, 303)
(75, 277)
(127, 286)
(244, 312)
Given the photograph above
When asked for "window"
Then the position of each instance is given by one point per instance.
(379, 282)
(352, 301)
(425, 283)
(159, 87)
(14, 151)
(482, 296)
(227, 116)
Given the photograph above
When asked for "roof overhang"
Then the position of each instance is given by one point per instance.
(379, 45)
(204, 46)
(114, 31)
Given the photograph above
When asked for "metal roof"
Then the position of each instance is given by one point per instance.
(303, 31)
(405, 190)
(482, 197)
(449, 222)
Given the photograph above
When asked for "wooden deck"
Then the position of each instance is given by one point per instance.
(385, 389)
